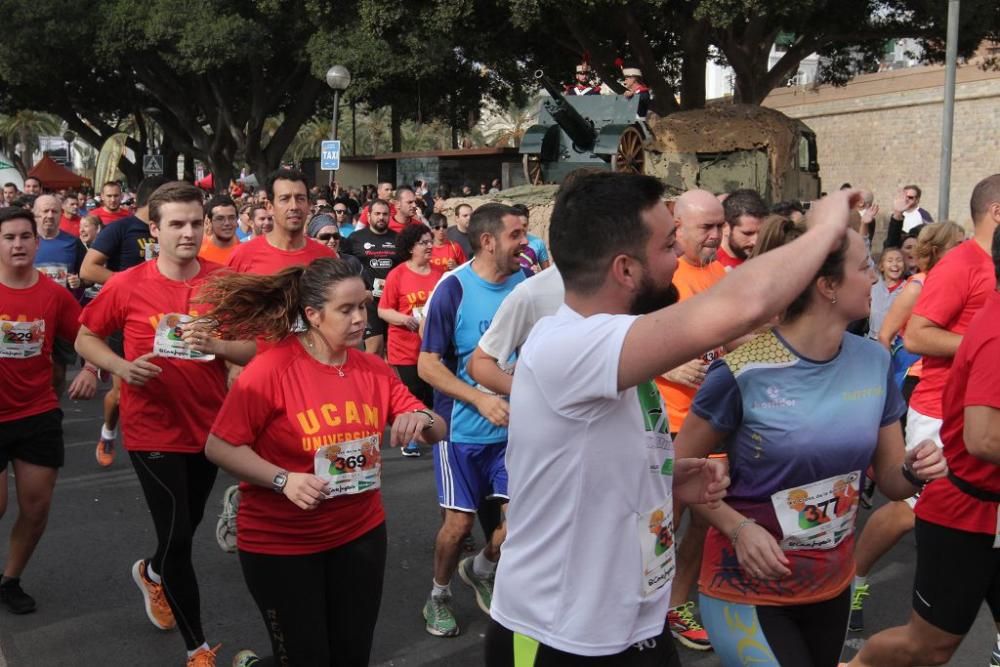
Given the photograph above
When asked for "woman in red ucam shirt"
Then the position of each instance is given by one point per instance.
(302, 428)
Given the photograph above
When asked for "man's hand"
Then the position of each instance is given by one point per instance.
(72, 280)
(84, 386)
(410, 322)
(899, 204)
(868, 217)
(700, 481)
(927, 461)
(691, 374)
(139, 371)
(495, 409)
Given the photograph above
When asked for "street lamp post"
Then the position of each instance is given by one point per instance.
(338, 78)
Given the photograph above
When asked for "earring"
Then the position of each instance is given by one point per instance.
(833, 300)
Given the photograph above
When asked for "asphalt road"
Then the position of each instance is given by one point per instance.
(90, 613)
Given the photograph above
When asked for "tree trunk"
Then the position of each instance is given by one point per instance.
(396, 121)
(188, 167)
(694, 46)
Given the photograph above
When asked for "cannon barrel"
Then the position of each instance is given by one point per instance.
(579, 129)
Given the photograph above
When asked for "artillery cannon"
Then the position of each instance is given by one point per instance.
(581, 131)
(720, 148)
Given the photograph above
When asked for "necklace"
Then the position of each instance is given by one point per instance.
(312, 351)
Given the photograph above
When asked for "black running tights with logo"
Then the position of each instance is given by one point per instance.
(320, 609)
(176, 487)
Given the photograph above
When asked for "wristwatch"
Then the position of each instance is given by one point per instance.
(912, 478)
(429, 415)
(279, 481)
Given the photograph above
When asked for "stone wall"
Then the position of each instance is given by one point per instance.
(883, 131)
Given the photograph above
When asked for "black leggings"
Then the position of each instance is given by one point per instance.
(177, 487)
(320, 609)
(500, 652)
(423, 391)
(777, 636)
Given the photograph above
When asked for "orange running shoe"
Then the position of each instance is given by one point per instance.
(204, 657)
(105, 452)
(157, 608)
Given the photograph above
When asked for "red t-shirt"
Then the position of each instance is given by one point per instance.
(953, 293)
(404, 291)
(449, 250)
(70, 225)
(259, 256)
(286, 406)
(728, 261)
(30, 321)
(397, 226)
(107, 217)
(172, 412)
(973, 381)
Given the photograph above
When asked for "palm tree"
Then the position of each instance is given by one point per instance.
(308, 140)
(22, 131)
(506, 126)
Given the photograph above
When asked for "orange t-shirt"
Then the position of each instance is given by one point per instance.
(214, 253)
(689, 280)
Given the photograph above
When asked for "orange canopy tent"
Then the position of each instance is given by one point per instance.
(54, 176)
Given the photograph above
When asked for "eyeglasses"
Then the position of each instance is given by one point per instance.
(224, 218)
(437, 228)
(328, 237)
(340, 210)
(425, 242)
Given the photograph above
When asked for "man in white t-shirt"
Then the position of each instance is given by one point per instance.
(588, 560)
(529, 302)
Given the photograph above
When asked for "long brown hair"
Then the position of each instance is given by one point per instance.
(933, 242)
(778, 231)
(249, 306)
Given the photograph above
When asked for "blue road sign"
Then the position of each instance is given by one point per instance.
(330, 156)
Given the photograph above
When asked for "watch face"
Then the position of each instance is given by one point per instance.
(280, 479)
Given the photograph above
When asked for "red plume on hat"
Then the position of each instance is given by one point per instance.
(619, 63)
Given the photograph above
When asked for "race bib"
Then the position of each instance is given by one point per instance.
(168, 341)
(996, 537)
(152, 251)
(656, 542)
(378, 284)
(22, 340)
(820, 515)
(59, 273)
(350, 467)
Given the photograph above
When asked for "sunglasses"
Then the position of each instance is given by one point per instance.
(340, 210)
(439, 227)
(329, 237)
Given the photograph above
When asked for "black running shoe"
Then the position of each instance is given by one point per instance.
(14, 597)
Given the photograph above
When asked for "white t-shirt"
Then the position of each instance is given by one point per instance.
(588, 560)
(521, 309)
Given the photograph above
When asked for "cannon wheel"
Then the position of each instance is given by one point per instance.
(630, 158)
(532, 168)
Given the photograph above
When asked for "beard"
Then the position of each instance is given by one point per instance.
(737, 252)
(652, 297)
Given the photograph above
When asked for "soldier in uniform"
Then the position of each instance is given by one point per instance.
(583, 85)
(635, 86)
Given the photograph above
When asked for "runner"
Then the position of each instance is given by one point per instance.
(222, 221)
(174, 383)
(110, 209)
(119, 247)
(305, 421)
(575, 510)
(469, 463)
(446, 254)
(957, 519)
(36, 313)
(402, 306)
(375, 246)
(801, 412)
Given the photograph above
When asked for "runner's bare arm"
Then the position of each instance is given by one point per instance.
(982, 432)
(746, 298)
(303, 489)
(92, 347)
(238, 352)
(926, 461)
(898, 313)
(484, 370)
(94, 267)
(926, 338)
(432, 370)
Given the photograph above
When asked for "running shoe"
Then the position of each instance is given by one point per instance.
(686, 629)
(225, 527)
(203, 657)
(155, 601)
(14, 598)
(105, 452)
(857, 622)
(440, 620)
(483, 586)
(245, 658)
(412, 449)
(995, 659)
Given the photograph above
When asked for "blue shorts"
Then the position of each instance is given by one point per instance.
(466, 475)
